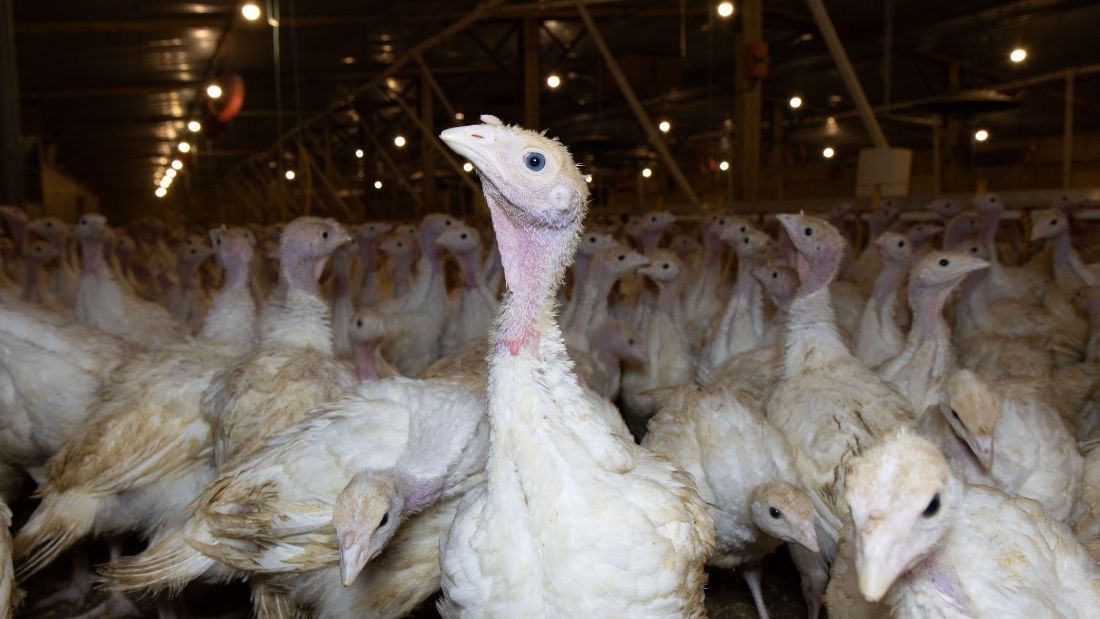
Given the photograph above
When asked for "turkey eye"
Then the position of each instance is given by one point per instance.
(973, 250)
(1054, 222)
(463, 237)
(385, 519)
(447, 223)
(742, 228)
(621, 257)
(591, 239)
(665, 266)
(49, 224)
(808, 232)
(721, 222)
(218, 242)
(746, 240)
(630, 341)
(359, 323)
(933, 507)
(534, 161)
(901, 243)
(775, 274)
(944, 262)
(83, 222)
(774, 513)
(192, 252)
(653, 219)
(400, 244)
(324, 235)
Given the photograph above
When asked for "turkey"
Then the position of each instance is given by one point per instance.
(401, 252)
(879, 337)
(592, 309)
(63, 279)
(146, 450)
(103, 303)
(292, 367)
(9, 591)
(368, 286)
(343, 305)
(743, 469)
(473, 306)
(187, 300)
(637, 533)
(928, 545)
(591, 245)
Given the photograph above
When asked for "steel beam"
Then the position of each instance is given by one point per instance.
(431, 138)
(635, 105)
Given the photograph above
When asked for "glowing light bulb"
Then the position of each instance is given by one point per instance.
(214, 91)
(664, 126)
(646, 172)
(184, 147)
(724, 166)
(359, 153)
(828, 152)
(553, 80)
(795, 102)
(469, 167)
(981, 135)
(377, 184)
(177, 164)
(1018, 55)
(588, 178)
(725, 10)
(460, 116)
(194, 126)
(160, 192)
(290, 175)
(251, 11)
(399, 141)
(170, 173)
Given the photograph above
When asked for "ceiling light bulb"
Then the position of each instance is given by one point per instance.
(290, 175)
(251, 11)
(664, 126)
(725, 9)
(399, 141)
(981, 135)
(723, 165)
(170, 173)
(359, 153)
(460, 116)
(160, 192)
(194, 126)
(828, 152)
(214, 91)
(1018, 55)
(553, 80)
(177, 164)
(469, 167)
(377, 184)
(795, 102)
(165, 182)
(184, 147)
(588, 178)
(646, 172)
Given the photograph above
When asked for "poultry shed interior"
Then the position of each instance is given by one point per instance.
(549, 308)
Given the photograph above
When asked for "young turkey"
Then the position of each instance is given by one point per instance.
(368, 288)
(636, 534)
(473, 306)
(928, 545)
(879, 337)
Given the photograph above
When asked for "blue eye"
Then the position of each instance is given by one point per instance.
(534, 161)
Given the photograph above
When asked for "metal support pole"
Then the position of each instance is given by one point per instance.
(436, 88)
(636, 105)
(531, 77)
(11, 156)
(431, 138)
(847, 73)
(1067, 133)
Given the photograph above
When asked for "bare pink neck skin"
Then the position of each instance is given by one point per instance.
(534, 260)
(236, 273)
(651, 239)
(470, 265)
(365, 366)
(817, 275)
(91, 254)
(431, 249)
(928, 302)
(987, 232)
(402, 272)
(745, 283)
(301, 273)
(889, 281)
(668, 291)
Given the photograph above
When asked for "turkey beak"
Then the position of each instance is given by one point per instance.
(1036, 230)
(982, 446)
(806, 536)
(967, 264)
(472, 142)
(877, 564)
(354, 555)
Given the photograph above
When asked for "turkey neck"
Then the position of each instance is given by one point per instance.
(341, 277)
(402, 274)
(30, 291)
(987, 233)
(233, 312)
(301, 318)
(888, 283)
(91, 254)
(713, 252)
(811, 322)
(581, 268)
(651, 239)
(470, 266)
(187, 270)
(366, 365)
(19, 236)
(668, 293)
